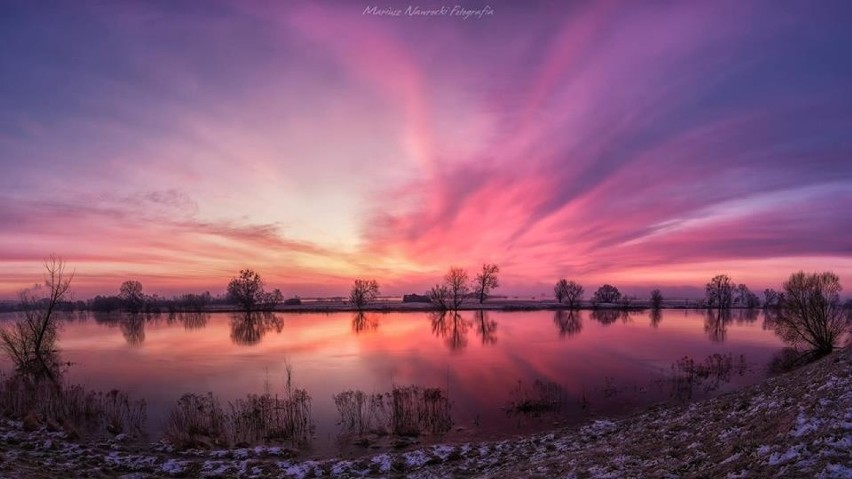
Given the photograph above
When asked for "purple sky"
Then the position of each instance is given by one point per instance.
(637, 143)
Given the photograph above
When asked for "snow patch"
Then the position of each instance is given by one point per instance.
(791, 454)
(805, 425)
(415, 458)
(835, 471)
(384, 461)
(174, 467)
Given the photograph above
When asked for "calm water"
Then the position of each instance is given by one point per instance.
(603, 363)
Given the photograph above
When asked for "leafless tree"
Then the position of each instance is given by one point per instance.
(363, 291)
(568, 292)
(31, 340)
(606, 294)
(131, 296)
(656, 299)
(811, 313)
(451, 293)
(745, 298)
(771, 298)
(719, 292)
(247, 291)
(485, 281)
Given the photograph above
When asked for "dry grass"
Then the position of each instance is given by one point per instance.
(544, 397)
(72, 408)
(200, 421)
(405, 411)
(715, 370)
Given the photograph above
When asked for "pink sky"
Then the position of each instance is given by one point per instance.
(640, 144)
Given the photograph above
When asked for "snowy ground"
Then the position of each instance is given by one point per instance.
(795, 425)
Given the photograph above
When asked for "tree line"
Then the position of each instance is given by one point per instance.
(809, 312)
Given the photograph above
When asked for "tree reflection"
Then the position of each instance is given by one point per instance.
(609, 316)
(362, 322)
(193, 320)
(133, 329)
(716, 324)
(249, 327)
(486, 327)
(770, 319)
(746, 316)
(656, 317)
(450, 326)
(569, 322)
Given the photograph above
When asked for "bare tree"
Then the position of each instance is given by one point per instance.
(771, 298)
(439, 295)
(656, 299)
(131, 296)
(811, 313)
(719, 292)
(485, 281)
(745, 298)
(247, 291)
(569, 292)
(31, 340)
(559, 290)
(451, 293)
(606, 294)
(363, 291)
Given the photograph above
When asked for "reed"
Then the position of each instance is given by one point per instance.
(404, 411)
(72, 407)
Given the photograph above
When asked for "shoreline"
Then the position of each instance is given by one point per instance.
(796, 424)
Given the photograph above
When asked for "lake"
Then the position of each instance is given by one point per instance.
(505, 373)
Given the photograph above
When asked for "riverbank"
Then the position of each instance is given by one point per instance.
(795, 425)
(330, 306)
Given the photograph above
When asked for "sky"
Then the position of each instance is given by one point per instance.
(642, 144)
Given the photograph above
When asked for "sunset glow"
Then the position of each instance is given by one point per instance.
(643, 144)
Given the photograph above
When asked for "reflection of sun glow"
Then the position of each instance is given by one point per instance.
(327, 356)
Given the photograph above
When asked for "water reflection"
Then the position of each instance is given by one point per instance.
(656, 317)
(190, 320)
(486, 327)
(609, 316)
(717, 369)
(362, 321)
(133, 329)
(415, 348)
(716, 324)
(451, 326)
(248, 328)
(746, 316)
(569, 322)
